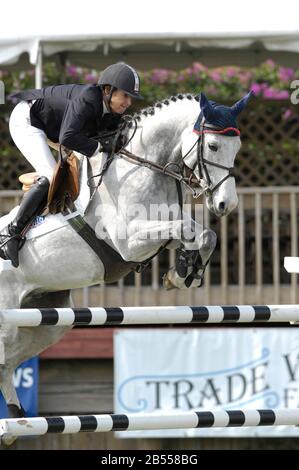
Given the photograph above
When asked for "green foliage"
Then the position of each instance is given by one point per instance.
(269, 80)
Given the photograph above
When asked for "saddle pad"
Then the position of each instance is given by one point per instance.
(50, 222)
(41, 224)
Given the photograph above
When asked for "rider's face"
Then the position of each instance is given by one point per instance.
(120, 102)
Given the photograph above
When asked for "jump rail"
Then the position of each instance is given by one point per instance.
(147, 421)
(150, 315)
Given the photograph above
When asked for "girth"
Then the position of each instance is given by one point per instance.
(115, 266)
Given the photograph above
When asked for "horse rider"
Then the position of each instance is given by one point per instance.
(71, 115)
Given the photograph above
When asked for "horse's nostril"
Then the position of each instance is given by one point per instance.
(222, 206)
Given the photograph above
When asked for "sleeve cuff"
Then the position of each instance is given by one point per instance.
(97, 149)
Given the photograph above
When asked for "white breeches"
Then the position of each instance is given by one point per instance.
(31, 141)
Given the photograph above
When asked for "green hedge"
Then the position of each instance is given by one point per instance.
(269, 80)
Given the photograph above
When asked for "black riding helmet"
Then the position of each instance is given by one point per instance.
(123, 77)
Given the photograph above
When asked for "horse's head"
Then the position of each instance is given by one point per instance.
(215, 141)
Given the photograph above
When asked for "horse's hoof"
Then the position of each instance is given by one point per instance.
(7, 441)
(15, 412)
(167, 284)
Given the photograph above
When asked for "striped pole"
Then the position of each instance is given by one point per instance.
(150, 315)
(147, 421)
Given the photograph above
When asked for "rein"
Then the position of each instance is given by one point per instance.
(140, 161)
(204, 181)
(125, 154)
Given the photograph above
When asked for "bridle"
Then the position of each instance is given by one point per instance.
(204, 176)
(184, 175)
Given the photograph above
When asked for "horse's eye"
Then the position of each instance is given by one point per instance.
(213, 147)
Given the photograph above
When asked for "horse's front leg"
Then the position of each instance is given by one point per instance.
(196, 248)
(10, 396)
(191, 261)
(14, 407)
(146, 237)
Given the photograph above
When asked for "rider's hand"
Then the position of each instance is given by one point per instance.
(108, 144)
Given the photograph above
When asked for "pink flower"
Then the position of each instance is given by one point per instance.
(287, 114)
(211, 90)
(231, 72)
(256, 88)
(269, 93)
(283, 95)
(198, 67)
(270, 63)
(286, 74)
(215, 76)
(72, 71)
(244, 77)
(90, 78)
(160, 76)
(274, 94)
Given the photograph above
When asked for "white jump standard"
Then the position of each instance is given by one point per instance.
(291, 264)
(149, 315)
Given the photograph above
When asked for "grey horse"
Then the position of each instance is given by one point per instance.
(126, 210)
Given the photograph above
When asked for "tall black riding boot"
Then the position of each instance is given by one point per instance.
(31, 205)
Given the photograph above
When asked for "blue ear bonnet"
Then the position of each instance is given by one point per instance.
(223, 118)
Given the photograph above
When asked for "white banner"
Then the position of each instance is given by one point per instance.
(183, 369)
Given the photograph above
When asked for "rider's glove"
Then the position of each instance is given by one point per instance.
(108, 144)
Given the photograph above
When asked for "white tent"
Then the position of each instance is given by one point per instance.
(157, 33)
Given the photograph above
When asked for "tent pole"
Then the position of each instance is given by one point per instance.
(39, 68)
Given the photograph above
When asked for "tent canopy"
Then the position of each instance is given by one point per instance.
(166, 33)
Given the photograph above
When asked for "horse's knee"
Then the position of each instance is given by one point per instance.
(209, 240)
(168, 280)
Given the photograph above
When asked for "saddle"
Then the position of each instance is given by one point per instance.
(64, 186)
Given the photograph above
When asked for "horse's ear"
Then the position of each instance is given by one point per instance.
(240, 105)
(206, 108)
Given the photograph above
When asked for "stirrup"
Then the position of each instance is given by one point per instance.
(9, 237)
(11, 252)
(3, 255)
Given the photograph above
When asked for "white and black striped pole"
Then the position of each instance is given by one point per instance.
(116, 316)
(148, 421)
